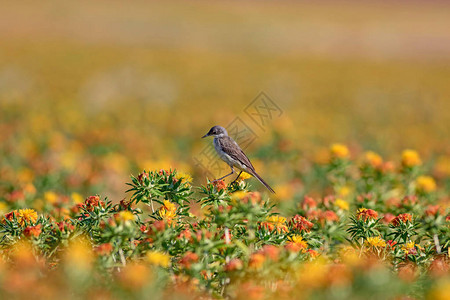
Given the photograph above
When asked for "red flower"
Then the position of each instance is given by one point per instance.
(256, 260)
(93, 201)
(104, 249)
(159, 225)
(391, 243)
(328, 215)
(328, 200)
(220, 185)
(188, 259)
(252, 197)
(234, 264)
(141, 177)
(308, 203)
(299, 223)
(388, 217)
(365, 213)
(32, 231)
(312, 253)
(401, 218)
(10, 216)
(409, 200)
(65, 226)
(267, 226)
(15, 196)
(271, 252)
(432, 210)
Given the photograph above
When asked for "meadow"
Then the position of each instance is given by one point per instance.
(102, 109)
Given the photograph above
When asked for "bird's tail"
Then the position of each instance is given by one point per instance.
(262, 181)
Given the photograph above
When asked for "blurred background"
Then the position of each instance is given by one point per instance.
(93, 91)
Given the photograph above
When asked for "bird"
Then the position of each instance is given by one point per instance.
(230, 152)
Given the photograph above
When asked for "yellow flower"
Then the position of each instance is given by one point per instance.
(284, 191)
(169, 206)
(50, 197)
(440, 290)
(425, 184)
(125, 216)
(373, 159)
(158, 258)
(344, 191)
(339, 151)
(375, 242)
(185, 177)
(26, 215)
(409, 246)
(25, 175)
(350, 256)
(245, 175)
(79, 256)
(116, 162)
(77, 198)
(442, 166)
(29, 189)
(342, 204)
(411, 158)
(239, 195)
(134, 276)
(3, 207)
(277, 220)
(297, 239)
(168, 211)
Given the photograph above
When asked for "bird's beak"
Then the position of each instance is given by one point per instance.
(205, 136)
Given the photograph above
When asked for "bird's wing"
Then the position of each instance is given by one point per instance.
(232, 149)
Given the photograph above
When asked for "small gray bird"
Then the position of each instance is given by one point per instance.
(230, 152)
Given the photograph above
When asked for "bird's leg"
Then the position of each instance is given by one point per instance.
(236, 178)
(232, 172)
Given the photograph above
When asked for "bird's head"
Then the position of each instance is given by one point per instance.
(216, 131)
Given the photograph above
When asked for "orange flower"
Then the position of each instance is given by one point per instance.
(278, 222)
(308, 203)
(32, 231)
(104, 249)
(93, 201)
(256, 260)
(432, 210)
(329, 216)
(9, 216)
(220, 185)
(299, 224)
(373, 159)
(188, 259)
(271, 252)
(388, 217)
(234, 264)
(365, 213)
(134, 276)
(312, 253)
(252, 197)
(401, 218)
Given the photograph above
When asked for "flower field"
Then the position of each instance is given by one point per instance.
(384, 233)
(103, 190)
